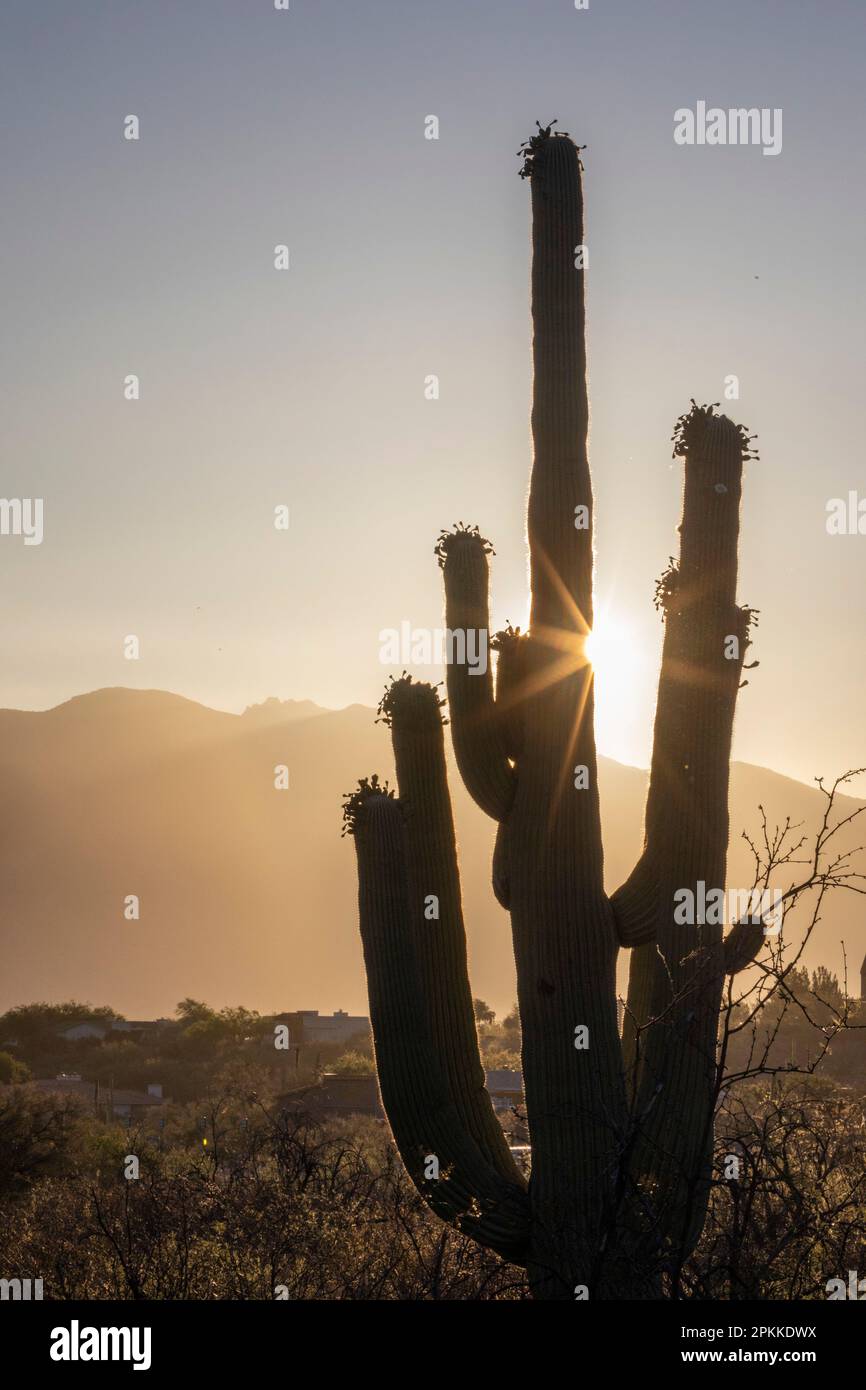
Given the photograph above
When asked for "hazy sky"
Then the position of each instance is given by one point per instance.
(411, 257)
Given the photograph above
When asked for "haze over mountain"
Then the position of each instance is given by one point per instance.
(247, 893)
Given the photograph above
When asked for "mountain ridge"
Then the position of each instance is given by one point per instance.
(247, 893)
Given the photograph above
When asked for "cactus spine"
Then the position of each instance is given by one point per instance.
(621, 1131)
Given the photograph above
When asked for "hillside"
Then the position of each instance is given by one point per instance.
(247, 893)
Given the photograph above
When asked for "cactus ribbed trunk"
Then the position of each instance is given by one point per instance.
(620, 1133)
(560, 553)
(564, 939)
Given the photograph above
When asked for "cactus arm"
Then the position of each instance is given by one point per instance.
(742, 944)
(413, 712)
(476, 727)
(510, 646)
(678, 981)
(635, 906)
(424, 1119)
(697, 682)
(501, 870)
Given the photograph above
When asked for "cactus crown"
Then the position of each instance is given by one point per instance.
(691, 430)
(747, 619)
(460, 534)
(368, 793)
(506, 637)
(667, 586)
(531, 147)
(415, 703)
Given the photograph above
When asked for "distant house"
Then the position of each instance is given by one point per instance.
(309, 1026)
(135, 1104)
(345, 1094)
(83, 1030)
(108, 1101)
(337, 1095)
(505, 1087)
(338, 1027)
(144, 1027)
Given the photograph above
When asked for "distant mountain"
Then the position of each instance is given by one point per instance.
(247, 893)
(274, 711)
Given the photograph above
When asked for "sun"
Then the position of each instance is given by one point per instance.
(623, 685)
(610, 649)
(625, 675)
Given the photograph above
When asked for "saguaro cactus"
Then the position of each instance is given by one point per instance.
(621, 1130)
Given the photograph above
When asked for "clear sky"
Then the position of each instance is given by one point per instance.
(410, 257)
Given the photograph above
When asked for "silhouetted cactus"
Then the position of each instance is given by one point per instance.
(621, 1132)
